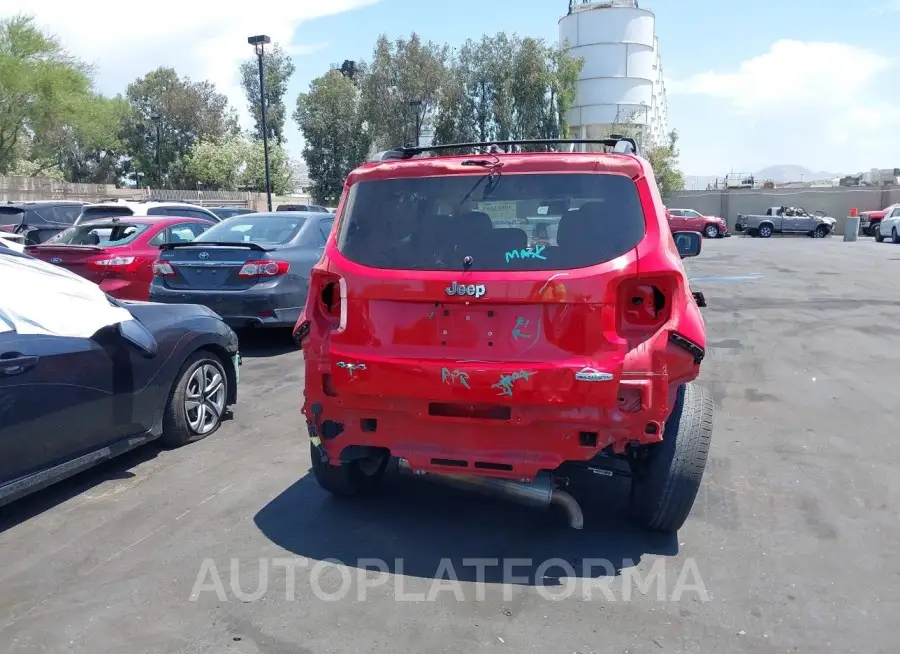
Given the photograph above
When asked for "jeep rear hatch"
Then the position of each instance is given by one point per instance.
(496, 287)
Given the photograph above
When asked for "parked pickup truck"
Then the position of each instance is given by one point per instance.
(869, 221)
(786, 220)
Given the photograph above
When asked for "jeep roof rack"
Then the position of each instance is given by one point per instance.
(622, 144)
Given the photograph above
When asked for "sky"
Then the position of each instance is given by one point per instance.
(814, 83)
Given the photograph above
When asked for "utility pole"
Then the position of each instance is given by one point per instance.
(259, 43)
(156, 118)
(417, 107)
(483, 113)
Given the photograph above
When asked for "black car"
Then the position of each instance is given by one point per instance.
(312, 208)
(69, 403)
(230, 212)
(37, 221)
(252, 270)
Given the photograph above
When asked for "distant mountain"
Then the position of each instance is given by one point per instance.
(789, 173)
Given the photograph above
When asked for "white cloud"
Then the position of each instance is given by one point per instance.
(204, 39)
(833, 104)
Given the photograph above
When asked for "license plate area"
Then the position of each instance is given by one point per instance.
(495, 330)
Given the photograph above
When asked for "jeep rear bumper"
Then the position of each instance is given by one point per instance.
(517, 444)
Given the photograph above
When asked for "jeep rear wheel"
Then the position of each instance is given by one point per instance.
(350, 478)
(666, 476)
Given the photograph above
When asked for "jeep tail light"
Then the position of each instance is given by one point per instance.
(263, 269)
(331, 297)
(645, 304)
(163, 269)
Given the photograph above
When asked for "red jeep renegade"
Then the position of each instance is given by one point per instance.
(439, 330)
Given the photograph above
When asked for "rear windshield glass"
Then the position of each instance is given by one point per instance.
(10, 216)
(111, 234)
(273, 230)
(105, 212)
(505, 222)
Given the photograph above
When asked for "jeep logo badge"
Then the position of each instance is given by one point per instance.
(592, 375)
(470, 290)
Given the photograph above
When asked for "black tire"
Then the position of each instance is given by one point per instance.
(878, 237)
(821, 232)
(177, 429)
(347, 479)
(666, 480)
(752, 233)
(895, 238)
(874, 229)
(711, 231)
(765, 231)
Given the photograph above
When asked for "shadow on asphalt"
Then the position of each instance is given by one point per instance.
(264, 343)
(32, 505)
(415, 526)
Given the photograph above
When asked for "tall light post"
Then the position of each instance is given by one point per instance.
(417, 107)
(156, 118)
(259, 44)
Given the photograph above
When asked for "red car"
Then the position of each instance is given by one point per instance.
(118, 253)
(437, 334)
(688, 220)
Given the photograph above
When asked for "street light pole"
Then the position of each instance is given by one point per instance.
(156, 118)
(259, 43)
(417, 107)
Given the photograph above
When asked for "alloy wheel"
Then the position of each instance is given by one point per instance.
(204, 398)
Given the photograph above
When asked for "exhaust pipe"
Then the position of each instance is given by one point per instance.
(540, 493)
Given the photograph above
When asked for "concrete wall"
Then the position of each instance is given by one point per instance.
(23, 189)
(836, 202)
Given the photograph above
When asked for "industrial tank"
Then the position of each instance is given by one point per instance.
(621, 81)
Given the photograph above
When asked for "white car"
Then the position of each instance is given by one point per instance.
(12, 241)
(145, 208)
(889, 227)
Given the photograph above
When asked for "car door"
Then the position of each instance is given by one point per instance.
(676, 220)
(802, 221)
(60, 397)
(692, 220)
(890, 222)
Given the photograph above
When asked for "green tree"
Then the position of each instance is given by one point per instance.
(281, 169)
(278, 71)
(237, 162)
(218, 165)
(336, 138)
(51, 121)
(505, 87)
(403, 72)
(188, 112)
(664, 160)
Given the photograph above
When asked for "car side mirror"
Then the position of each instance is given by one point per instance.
(688, 243)
(139, 337)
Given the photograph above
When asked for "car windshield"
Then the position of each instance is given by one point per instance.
(491, 222)
(111, 234)
(274, 230)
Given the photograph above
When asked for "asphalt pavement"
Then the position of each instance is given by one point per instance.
(793, 546)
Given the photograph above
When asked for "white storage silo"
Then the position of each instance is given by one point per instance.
(622, 78)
